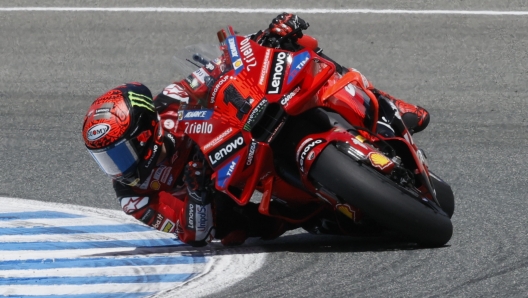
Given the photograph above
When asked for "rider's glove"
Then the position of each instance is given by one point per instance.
(286, 23)
(196, 225)
(194, 178)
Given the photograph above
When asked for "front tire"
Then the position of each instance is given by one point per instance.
(382, 199)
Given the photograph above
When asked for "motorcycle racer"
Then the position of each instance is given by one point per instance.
(161, 178)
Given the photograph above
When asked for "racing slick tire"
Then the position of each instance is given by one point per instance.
(389, 204)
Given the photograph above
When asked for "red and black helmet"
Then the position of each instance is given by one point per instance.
(122, 133)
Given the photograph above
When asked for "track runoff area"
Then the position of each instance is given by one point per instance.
(57, 250)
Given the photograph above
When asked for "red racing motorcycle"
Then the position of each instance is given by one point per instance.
(283, 124)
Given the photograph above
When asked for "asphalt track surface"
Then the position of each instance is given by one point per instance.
(469, 71)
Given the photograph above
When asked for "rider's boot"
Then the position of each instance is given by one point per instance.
(415, 118)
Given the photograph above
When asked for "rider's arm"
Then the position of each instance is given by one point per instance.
(285, 24)
(168, 212)
(160, 210)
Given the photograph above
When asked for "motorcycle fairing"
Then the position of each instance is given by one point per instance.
(241, 99)
(309, 149)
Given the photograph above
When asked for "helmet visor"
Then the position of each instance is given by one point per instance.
(118, 161)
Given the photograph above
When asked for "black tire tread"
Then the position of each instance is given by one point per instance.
(381, 199)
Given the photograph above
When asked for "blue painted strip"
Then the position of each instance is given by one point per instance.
(94, 295)
(38, 264)
(92, 280)
(124, 228)
(87, 244)
(36, 214)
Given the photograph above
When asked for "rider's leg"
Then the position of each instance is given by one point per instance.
(415, 118)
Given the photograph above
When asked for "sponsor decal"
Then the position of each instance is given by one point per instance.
(247, 53)
(196, 115)
(167, 226)
(299, 61)
(226, 150)
(350, 89)
(148, 216)
(346, 210)
(103, 110)
(209, 66)
(224, 174)
(309, 145)
(218, 138)
(251, 153)
(168, 124)
(278, 68)
(193, 82)
(152, 156)
(201, 213)
(140, 100)
(157, 173)
(133, 204)
(255, 114)
(265, 65)
(97, 131)
(177, 92)
(198, 128)
(284, 101)
(360, 138)
(234, 53)
(195, 195)
(200, 74)
(171, 138)
(237, 64)
(155, 185)
(217, 87)
(311, 156)
(233, 50)
(159, 220)
(190, 216)
(174, 157)
(379, 160)
(165, 175)
(179, 229)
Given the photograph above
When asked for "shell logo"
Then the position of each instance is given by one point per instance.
(379, 160)
(346, 210)
(237, 63)
(155, 185)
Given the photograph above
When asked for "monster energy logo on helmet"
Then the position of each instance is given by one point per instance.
(140, 100)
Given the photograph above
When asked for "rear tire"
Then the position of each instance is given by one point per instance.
(382, 199)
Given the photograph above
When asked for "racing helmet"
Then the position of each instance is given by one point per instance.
(122, 133)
